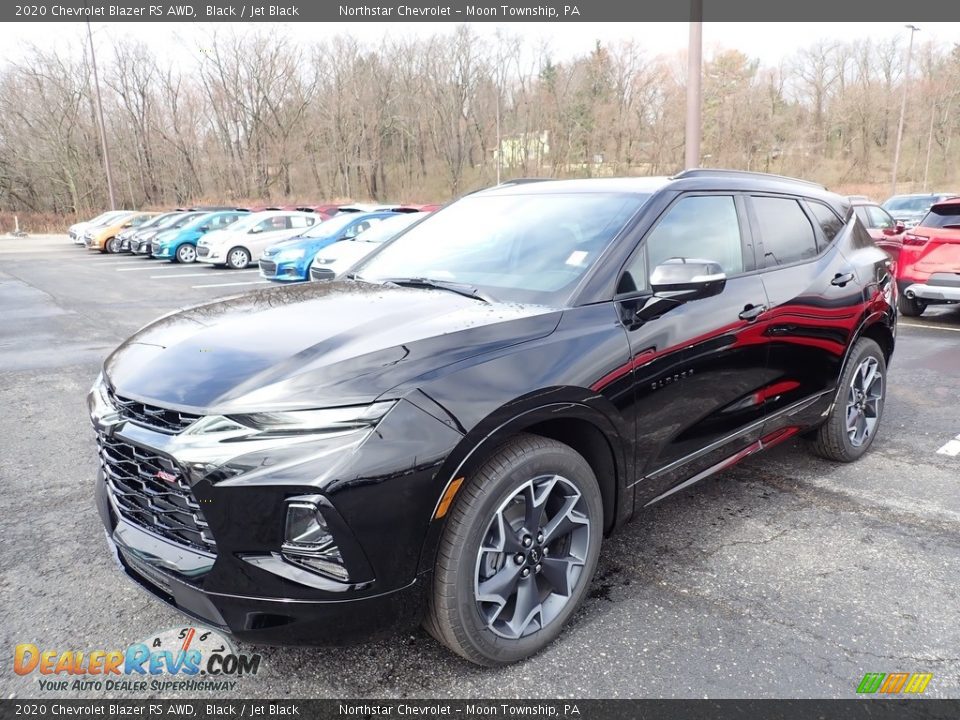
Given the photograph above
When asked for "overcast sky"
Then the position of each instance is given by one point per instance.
(770, 42)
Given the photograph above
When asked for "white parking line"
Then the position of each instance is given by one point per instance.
(153, 267)
(930, 326)
(952, 448)
(255, 282)
(200, 273)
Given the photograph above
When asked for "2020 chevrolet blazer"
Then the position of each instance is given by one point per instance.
(448, 434)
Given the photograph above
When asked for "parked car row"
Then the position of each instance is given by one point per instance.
(283, 239)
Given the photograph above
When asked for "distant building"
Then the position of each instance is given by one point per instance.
(524, 149)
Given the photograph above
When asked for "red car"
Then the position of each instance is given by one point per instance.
(886, 232)
(928, 272)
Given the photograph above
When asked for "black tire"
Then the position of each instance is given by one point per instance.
(238, 258)
(832, 440)
(454, 615)
(185, 254)
(911, 307)
(111, 246)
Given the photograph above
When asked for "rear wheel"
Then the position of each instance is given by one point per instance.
(112, 245)
(855, 418)
(186, 253)
(518, 552)
(911, 307)
(238, 258)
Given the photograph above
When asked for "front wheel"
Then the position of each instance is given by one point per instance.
(855, 417)
(238, 258)
(518, 552)
(112, 245)
(186, 254)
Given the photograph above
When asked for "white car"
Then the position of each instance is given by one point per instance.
(77, 230)
(335, 259)
(241, 243)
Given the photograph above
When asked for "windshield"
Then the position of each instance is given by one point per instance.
(329, 227)
(181, 220)
(522, 248)
(383, 231)
(908, 204)
(158, 221)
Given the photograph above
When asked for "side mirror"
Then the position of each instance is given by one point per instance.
(679, 280)
(682, 279)
(204, 228)
(255, 230)
(899, 228)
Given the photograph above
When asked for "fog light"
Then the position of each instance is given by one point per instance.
(309, 543)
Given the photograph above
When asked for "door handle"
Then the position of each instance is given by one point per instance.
(752, 312)
(841, 279)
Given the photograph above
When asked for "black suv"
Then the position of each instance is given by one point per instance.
(447, 435)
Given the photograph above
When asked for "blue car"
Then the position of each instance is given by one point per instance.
(289, 261)
(180, 244)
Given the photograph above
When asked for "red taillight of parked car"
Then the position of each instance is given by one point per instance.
(915, 240)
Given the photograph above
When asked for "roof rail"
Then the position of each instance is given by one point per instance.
(710, 172)
(522, 181)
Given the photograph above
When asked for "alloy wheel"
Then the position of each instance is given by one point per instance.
(532, 556)
(238, 259)
(864, 401)
(186, 253)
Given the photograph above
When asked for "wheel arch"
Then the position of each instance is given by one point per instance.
(578, 424)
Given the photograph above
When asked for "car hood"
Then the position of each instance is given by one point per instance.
(307, 244)
(313, 345)
(217, 237)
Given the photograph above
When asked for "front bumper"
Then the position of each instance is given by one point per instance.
(162, 252)
(238, 580)
(169, 573)
(282, 271)
(212, 255)
(141, 247)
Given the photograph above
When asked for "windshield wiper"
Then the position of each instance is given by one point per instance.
(459, 288)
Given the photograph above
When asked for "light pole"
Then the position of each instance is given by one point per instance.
(103, 130)
(694, 94)
(903, 109)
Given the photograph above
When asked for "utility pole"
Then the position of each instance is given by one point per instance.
(103, 129)
(903, 109)
(694, 93)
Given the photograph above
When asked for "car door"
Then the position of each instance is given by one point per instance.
(815, 304)
(697, 367)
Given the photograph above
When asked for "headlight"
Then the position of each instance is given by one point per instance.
(326, 420)
(290, 254)
(323, 261)
(101, 406)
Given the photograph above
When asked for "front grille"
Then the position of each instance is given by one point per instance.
(202, 251)
(134, 245)
(151, 416)
(321, 273)
(268, 267)
(148, 490)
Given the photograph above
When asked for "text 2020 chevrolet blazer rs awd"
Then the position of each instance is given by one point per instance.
(448, 435)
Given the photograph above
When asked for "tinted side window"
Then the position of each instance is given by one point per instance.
(703, 228)
(300, 221)
(785, 231)
(829, 223)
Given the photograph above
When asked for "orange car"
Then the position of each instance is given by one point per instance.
(104, 237)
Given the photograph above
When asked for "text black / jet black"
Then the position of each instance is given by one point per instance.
(450, 434)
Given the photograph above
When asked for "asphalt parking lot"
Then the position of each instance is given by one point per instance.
(786, 576)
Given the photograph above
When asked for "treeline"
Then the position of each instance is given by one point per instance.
(261, 117)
